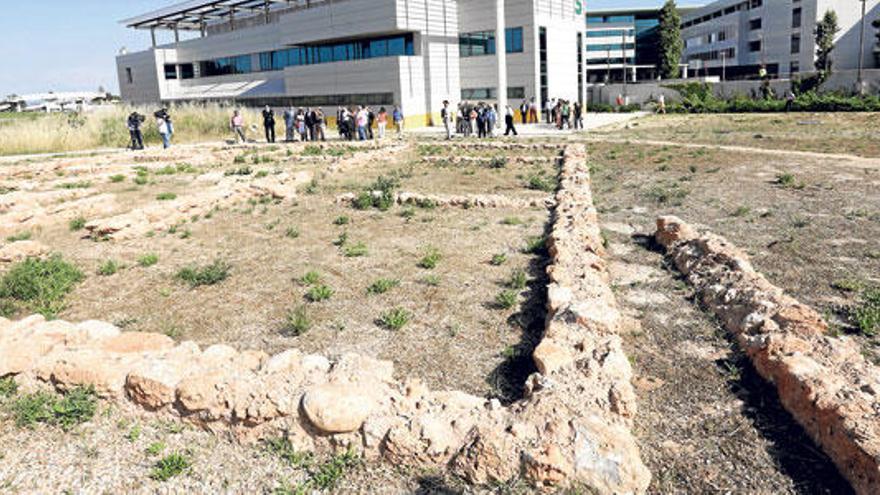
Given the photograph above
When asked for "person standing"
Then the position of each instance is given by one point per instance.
(371, 118)
(399, 122)
(382, 122)
(320, 124)
(361, 120)
(310, 123)
(164, 132)
(578, 115)
(301, 125)
(164, 115)
(269, 124)
(472, 119)
(134, 130)
(491, 120)
(533, 112)
(524, 110)
(237, 126)
(289, 123)
(508, 121)
(446, 119)
(661, 104)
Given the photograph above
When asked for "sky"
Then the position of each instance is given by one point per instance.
(64, 45)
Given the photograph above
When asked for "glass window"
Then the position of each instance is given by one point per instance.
(483, 42)
(170, 71)
(796, 17)
(795, 43)
(396, 47)
(755, 24)
(755, 46)
(128, 75)
(187, 71)
(378, 48)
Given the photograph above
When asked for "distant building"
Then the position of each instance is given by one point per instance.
(735, 38)
(627, 37)
(323, 53)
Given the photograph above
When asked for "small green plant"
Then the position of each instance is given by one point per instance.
(134, 433)
(312, 187)
(75, 407)
(239, 159)
(341, 240)
(284, 449)
(541, 182)
(408, 213)
(431, 259)
(672, 194)
(8, 387)
(291, 233)
(431, 280)
(518, 280)
(506, 299)
(166, 196)
(211, 274)
(311, 278)
(117, 178)
(319, 293)
(109, 267)
(847, 285)
(395, 319)
(382, 286)
(343, 220)
(261, 174)
(741, 211)
(329, 473)
(786, 180)
(170, 466)
(867, 313)
(497, 162)
(356, 250)
(535, 245)
(239, 171)
(498, 259)
(41, 283)
(21, 236)
(77, 223)
(75, 185)
(141, 180)
(148, 259)
(512, 221)
(297, 322)
(155, 448)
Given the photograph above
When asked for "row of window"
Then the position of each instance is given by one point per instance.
(387, 46)
(746, 5)
(483, 42)
(611, 46)
(727, 53)
(611, 32)
(612, 61)
(610, 19)
(516, 92)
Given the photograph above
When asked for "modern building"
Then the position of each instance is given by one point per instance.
(623, 41)
(735, 38)
(412, 53)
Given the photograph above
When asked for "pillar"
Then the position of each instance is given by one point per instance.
(501, 57)
(176, 33)
(153, 35)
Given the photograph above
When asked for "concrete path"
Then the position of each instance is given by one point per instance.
(591, 121)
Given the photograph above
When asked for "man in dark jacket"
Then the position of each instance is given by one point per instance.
(269, 124)
(134, 130)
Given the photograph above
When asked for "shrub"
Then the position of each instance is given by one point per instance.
(540, 182)
(379, 194)
(292, 233)
(8, 387)
(155, 448)
(498, 162)
(356, 250)
(41, 283)
(148, 259)
(117, 178)
(21, 236)
(141, 180)
(511, 221)
(867, 314)
(319, 293)
(211, 274)
(170, 466)
(239, 171)
(431, 280)
(311, 278)
(75, 407)
(298, 322)
(518, 280)
(75, 185)
(431, 259)
(363, 201)
(382, 286)
(788, 181)
(343, 220)
(673, 194)
(109, 267)
(395, 319)
(535, 245)
(166, 196)
(506, 299)
(498, 259)
(77, 223)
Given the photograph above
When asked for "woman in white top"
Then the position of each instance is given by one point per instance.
(164, 131)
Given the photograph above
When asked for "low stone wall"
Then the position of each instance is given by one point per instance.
(458, 200)
(497, 145)
(226, 191)
(823, 381)
(486, 160)
(21, 210)
(572, 427)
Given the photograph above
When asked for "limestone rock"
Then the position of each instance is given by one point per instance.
(337, 408)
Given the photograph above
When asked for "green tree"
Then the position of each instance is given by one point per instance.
(826, 30)
(670, 41)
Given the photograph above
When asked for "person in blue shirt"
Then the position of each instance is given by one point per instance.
(397, 115)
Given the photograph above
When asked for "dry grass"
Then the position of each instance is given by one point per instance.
(106, 128)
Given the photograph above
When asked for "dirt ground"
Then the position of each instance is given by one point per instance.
(706, 423)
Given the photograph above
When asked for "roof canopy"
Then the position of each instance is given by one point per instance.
(191, 15)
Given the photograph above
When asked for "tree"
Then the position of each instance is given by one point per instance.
(670, 41)
(826, 30)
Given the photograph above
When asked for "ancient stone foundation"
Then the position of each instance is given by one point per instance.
(457, 200)
(823, 381)
(571, 428)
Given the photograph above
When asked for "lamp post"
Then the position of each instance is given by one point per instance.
(860, 82)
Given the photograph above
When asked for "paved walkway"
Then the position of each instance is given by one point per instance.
(591, 121)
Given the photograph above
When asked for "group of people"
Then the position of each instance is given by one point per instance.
(564, 114)
(479, 120)
(306, 124)
(164, 126)
(357, 123)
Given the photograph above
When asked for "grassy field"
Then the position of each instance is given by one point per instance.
(106, 128)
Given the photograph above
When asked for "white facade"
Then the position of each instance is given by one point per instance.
(734, 38)
(419, 81)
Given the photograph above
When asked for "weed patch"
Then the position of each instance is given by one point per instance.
(382, 286)
(170, 466)
(41, 283)
(211, 274)
(395, 319)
